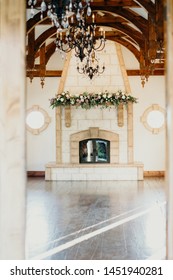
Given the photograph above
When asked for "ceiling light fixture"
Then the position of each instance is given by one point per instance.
(91, 68)
(83, 37)
(61, 12)
(76, 29)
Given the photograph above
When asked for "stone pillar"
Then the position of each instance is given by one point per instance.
(169, 136)
(58, 135)
(59, 112)
(12, 129)
(130, 144)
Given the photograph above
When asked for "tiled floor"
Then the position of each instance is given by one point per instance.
(106, 220)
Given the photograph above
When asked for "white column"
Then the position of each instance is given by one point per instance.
(169, 138)
(12, 129)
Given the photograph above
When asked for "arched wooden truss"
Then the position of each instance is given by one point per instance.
(137, 25)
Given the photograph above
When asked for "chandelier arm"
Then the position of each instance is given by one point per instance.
(68, 49)
(100, 47)
(81, 71)
(103, 69)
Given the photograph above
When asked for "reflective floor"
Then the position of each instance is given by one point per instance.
(106, 220)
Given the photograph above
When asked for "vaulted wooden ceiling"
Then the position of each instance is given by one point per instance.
(138, 25)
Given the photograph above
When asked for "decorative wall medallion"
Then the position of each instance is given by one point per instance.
(153, 118)
(37, 119)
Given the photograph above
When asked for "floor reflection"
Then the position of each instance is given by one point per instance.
(95, 220)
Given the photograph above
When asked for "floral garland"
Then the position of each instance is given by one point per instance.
(91, 100)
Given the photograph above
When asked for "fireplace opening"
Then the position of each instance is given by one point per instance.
(94, 151)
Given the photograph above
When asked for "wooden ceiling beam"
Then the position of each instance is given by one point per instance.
(159, 20)
(42, 60)
(32, 22)
(58, 73)
(148, 5)
(115, 3)
(44, 36)
(131, 32)
(30, 48)
(128, 15)
(50, 50)
(48, 73)
(137, 72)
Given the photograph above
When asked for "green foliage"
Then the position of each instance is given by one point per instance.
(91, 100)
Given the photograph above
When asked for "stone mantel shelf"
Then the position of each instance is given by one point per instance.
(120, 115)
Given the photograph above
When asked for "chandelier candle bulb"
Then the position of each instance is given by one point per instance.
(72, 19)
(78, 17)
(89, 10)
(43, 6)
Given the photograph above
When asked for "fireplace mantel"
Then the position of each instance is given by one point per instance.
(120, 115)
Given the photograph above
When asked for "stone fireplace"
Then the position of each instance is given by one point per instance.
(106, 133)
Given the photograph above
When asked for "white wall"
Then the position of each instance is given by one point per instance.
(149, 148)
(41, 147)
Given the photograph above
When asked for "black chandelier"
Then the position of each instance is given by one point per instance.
(91, 68)
(76, 29)
(61, 11)
(82, 37)
(73, 30)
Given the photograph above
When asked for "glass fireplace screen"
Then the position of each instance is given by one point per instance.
(94, 151)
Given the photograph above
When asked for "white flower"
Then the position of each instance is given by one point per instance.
(96, 98)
